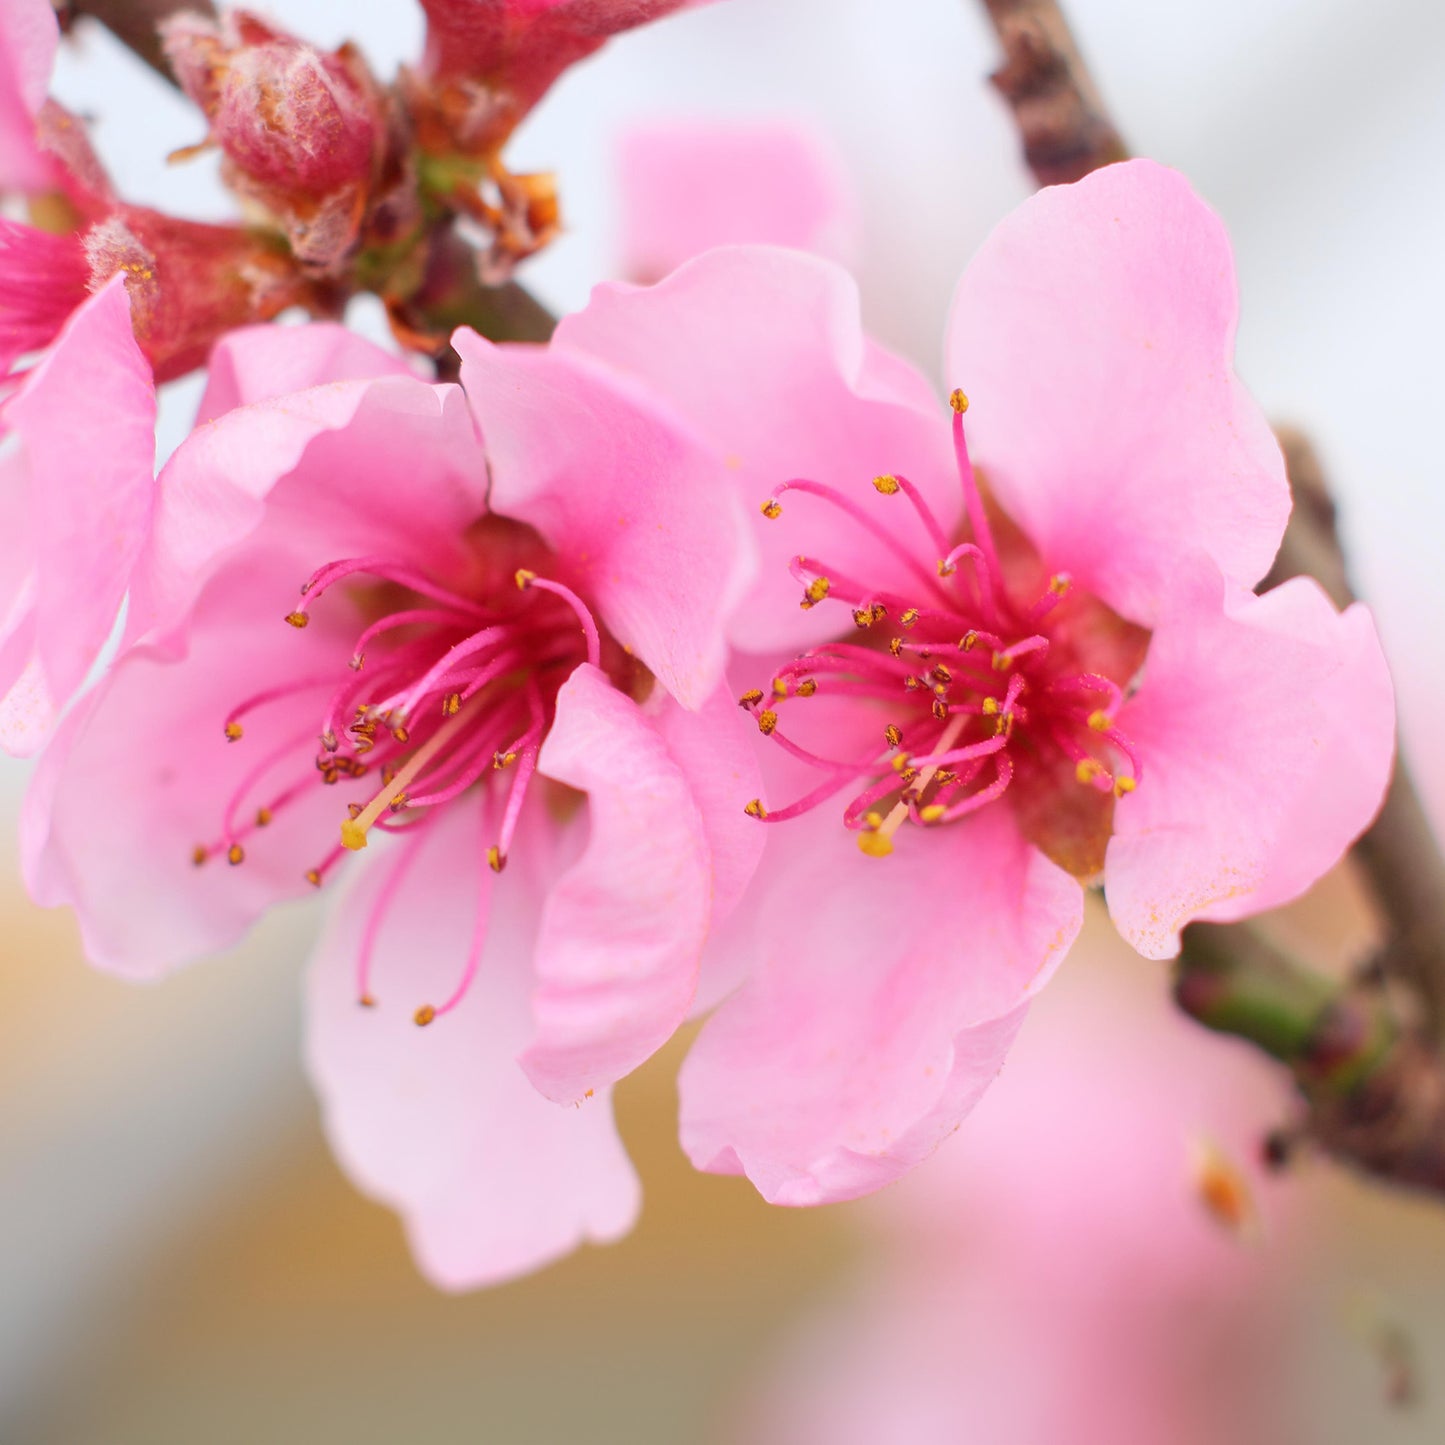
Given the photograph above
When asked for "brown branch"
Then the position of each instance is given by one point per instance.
(1059, 112)
(135, 23)
(1398, 852)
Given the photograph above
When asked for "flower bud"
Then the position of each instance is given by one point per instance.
(302, 129)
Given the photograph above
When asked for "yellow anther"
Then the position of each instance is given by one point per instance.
(907, 775)
(939, 709)
(968, 641)
(1002, 662)
(496, 859)
(234, 732)
(990, 706)
(357, 662)
(815, 592)
(401, 734)
(751, 698)
(873, 819)
(263, 817)
(1003, 723)
(755, 809)
(958, 401)
(887, 485)
(1088, 770)
(502, 760)
(771, 509)
(908, 618)
(353, 835)
(424, 1015)
(911, 683)
(900, 761)
(367, 1001)
(767, 721)
(451, 704)
(199, 854)
(893, 735)
(313, 877)
(942, 675)
(523, 578)
(862, 617)
(297, 619)
(945, 567)
(932, 813)
(1060, 583)
(1100, 721)
(807, 687)
(1124, 785)
(235, 854)
(780, 687)
(895, 646)
(397, 803)
(875, 845)
(944, 775)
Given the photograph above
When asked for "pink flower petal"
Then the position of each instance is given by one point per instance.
(1267, 727)
(821, 401)
(80, 485)
(885, 996)
(29, 35)
(257, 363)
(139, 774)
(1094, 336)
(688, 186)
(625, 492)
(322, 474)
(623, 928)
(492, 1179)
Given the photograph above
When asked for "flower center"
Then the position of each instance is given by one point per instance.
(985, 677)
(445, 690)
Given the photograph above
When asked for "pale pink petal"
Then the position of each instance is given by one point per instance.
(257, 363)
(884, 997)
(324, 474)
(623, 928)
(28, 37)
(686, 186)
(492, 1179)
(1266, 729)
(820, 401)
(1094, 336)
(625, 492)
(80, 492)
(139, 773)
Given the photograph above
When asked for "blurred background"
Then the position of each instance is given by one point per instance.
(180, 1259)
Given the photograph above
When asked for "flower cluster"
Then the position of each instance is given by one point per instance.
(468, 655)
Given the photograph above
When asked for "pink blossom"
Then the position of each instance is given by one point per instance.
(687, 186)
(77, 448)
(500, 684)
(1052, 1273)
(1053, 671)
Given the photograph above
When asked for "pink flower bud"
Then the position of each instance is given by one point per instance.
(301, 128)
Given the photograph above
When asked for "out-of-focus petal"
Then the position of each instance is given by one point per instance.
(627, 494)
(492, 1179)
(686, 186)
(1267, 727)
(29, 35)
(820, 401)
(80, 488)
(623, 928)
(1094, 336)
(885, 995)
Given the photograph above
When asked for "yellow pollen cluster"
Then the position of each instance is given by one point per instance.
(958, 401)
(887, 486)
(771, 509)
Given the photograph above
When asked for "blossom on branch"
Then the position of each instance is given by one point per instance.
(1027, 658)
(488, 666)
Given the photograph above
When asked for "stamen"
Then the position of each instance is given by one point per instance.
(584, 616)
(894, 483)
(972, 497)
(385, 896)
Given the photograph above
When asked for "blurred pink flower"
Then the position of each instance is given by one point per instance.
(1051, 1274)
(29, 34)
(469, 678)
(686, 186)
(999, 696)
(77, 453)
